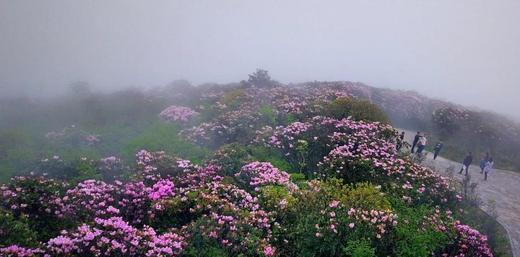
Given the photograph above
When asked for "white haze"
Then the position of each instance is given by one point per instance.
(465, 51)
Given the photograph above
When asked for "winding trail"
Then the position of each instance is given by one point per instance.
(502, 188)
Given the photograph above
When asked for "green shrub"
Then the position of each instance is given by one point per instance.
(35, 205)
(367, 196)
(268, 115)
(207, 251)
(164, 137)
(16, 231)
(234, 98)
(265, 154)
(357, 109)
(230, 158)
(276, 198)
(359, 248)
(414, 236)
(73, 171)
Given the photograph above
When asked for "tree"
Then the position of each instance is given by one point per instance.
(261, 78)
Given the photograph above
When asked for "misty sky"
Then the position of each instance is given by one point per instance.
(465, 51)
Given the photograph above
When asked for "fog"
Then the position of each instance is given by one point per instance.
(463, 51)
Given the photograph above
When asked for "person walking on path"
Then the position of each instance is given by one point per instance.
(416, 140)
(400, 142)
(488, 167)
(438, 147)
(483, 162)
(421, 144)
(465, 164)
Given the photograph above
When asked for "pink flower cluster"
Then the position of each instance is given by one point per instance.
(471, 242)
(115, 237)
(153, 166)
(91, 198)
(378, 219)
(110, 162)
(18, 251)
(178, 113)
(258, 174)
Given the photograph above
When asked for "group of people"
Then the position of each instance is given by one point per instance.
(420, 141)
(486, 164)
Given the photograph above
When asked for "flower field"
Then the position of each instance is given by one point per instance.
(289, 174)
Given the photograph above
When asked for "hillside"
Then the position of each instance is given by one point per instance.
(251, 169)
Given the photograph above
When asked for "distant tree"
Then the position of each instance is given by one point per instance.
(80, 89)
(261, 78)
(179, 84)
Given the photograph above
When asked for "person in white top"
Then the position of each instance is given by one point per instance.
(488, 167)
(421, 144)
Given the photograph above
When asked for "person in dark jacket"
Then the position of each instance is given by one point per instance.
(400, 142)
(465, 164)
(416, 140)
(438, 147)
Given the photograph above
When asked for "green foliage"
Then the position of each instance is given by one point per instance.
(268, 114)
(334, 188)
(164, 137)
(36, 194)
(86, 171)
(290, 118)
(271, 198)
(16, 231)
(17, 152)
(234, 98)
(265, 154)
(207, 251)
(357, 109)
(367, 196)
(297, 177)
(413, 237)
(359, 248)
(73, 171)
(230, 158)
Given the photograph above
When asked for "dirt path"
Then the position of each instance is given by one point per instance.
(502, 187)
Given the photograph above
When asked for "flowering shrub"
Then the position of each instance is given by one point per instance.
(18, 251)
(319, 222)
(37, 202)
(258, 174)
(115, 237)
(229, 127)
(308, 142)
(178, 113)
(471, 242)
(153, 166)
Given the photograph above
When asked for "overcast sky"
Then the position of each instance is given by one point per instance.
(465, 51)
